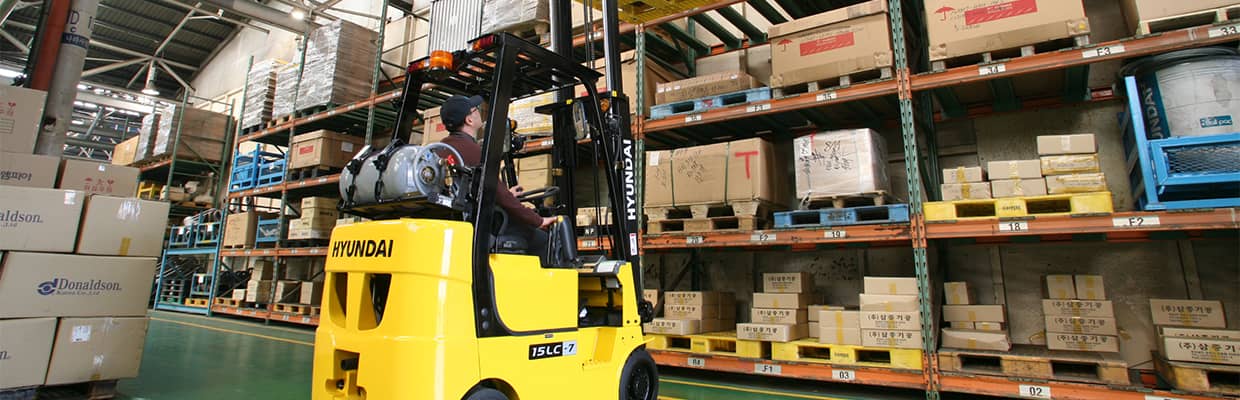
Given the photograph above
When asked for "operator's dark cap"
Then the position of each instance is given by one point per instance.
(456, 108)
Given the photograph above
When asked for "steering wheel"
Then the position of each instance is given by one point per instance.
(538, 195)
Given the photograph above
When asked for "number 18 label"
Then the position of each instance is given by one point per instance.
(1014, 226)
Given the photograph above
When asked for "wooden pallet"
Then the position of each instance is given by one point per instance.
(98, 390)
(875, 198)
(1188, 20)
(310, 172)
(810, 351)
(1007, 53)
(279, 121)
(833, 82)
(196, 302)
(746, 208)
(713, 224)
(315, 310)
(1030, 361)
(299, 243)
(301, 309)
(228, 302)
(1212, 379)
(308, 111)
(1079, 204)
(726, 343)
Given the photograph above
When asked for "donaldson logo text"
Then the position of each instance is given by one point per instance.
(362, 248)
(10, 218)
(67, 287)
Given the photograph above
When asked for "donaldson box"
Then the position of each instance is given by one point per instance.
(967, 27)
(93, 349)
(28, 170)
(39, 219)
(21, 112)
(831, 44)
(839, 163)
(65, 285)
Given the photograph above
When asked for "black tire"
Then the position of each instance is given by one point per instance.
(640, 378)
(486, 394)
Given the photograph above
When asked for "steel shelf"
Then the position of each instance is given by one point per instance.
(241, 311)
(293, 318)
(191, 251)
(180, 308)
(907, 379)
(274, 252)
(799, 239)
(278, 135)
(1003, 387)
(1121, 226)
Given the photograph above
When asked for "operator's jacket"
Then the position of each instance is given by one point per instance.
(472, 154)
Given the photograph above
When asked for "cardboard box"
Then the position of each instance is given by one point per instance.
(1070, 164)
(898, 286)
(840, 162)
(694, 298)
(703, 86)
(125, 151)
(68, 285)
(659, 178)
(1090, 287)
(892, 339)
(433, 129)
(327, 203)
(311, 293)
(1079, 308)
(300, 229)
(771, 332)
(34, 219)
(541, 161)
(664, 326)
(781, 300)
(816, 310)
(839, 335)
(1067, 144)
(94, 349)
(287, 291)
(1213, 351)
(988, 326)
(529, 121)
(240, 228)
(323, 148)
(966, 27)
(789, 282)
(28, 170)
(1087, 325)
(535, 179)
(813, 329)
(1145, 10)
(962, 325)
(1018, 188)
(25, 347)
(1198, 333)
(778, 316)
(1060, 287)
(261, 270)
(902, 321)
(889, 303)
(1082, 342)
(965, 191)
(1079, 183)
(295, 269)
(831, 44)
(653, 76)
(691, 312)
(21, 114)
(976, 340)
(1014, 169)
(741, 170)
(975, 313)
(114, 226)
(259, 291)
(957, 293)
(238, 294)
(97, 178)
(1194, 313)
(839, 318)
(964, 175)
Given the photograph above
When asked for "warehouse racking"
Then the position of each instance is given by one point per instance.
(905, 101)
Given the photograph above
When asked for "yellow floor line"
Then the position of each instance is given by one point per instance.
(242, 323)
(669, 398)
(748, 390)
(278, 339)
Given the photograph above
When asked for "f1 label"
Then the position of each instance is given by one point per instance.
(548, 350)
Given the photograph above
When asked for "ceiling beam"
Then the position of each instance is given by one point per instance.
(114, 66)
(222, 18)
(255, 11)
(96, 42)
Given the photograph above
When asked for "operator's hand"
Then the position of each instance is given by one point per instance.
(516, 190)
(546, 222)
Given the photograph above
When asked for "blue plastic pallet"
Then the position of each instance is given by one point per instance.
(1178, 173)
(828, 217)
(708, 103)
(271, 173)
(245, 169)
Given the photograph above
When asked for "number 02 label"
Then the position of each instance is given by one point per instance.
(1035, 392)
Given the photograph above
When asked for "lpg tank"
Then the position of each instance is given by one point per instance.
(398, 180)
(1192, 92)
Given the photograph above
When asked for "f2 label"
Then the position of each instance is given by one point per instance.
(1035, 392)
(1136, 221)
(767, 369)
(762, 237)
(843, 375)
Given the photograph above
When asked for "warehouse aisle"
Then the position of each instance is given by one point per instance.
(190, 357)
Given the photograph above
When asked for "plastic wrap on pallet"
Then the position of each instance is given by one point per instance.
(503, 15)
(146, 136)
(259, 93)
(286, 91)
(840, 163)
(202, 132)
(340, 61)
(528, 121)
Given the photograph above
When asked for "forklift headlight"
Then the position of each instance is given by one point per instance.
(483, 43)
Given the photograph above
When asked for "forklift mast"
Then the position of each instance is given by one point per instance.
(502, 67)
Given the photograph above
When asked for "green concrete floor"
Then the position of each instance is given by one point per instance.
(190, 357)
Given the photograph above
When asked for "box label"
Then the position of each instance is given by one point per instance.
(81, 333)
(1000, 11)
(828, 43)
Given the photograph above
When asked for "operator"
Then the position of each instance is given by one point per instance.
(462, 117)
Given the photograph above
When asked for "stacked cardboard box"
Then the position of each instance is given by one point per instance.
(964, 183)
(318, 217)
(780, 312)
(323, 148)
(201, 132)
(890, 313)
(261, 284)
(1016, 178)
(1070, 164)
(339, 65)
(535, 172)
(840, 163)
(703, 86)
(967, 27)
(241, 228)
(504, 15)
(147, 134)
(528, 121)
(973, 327)
(831, 44)
(284, 103)
(77, 267)
(688, 313)
(260, 93)
(815, 317)
(20, 116)
(1078, 316)
(742, 170)
(835, 325)
(1194, 331)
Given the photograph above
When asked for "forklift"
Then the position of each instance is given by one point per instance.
(431, 300)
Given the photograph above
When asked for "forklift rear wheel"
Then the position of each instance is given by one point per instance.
(487, 394)
(640, 378)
